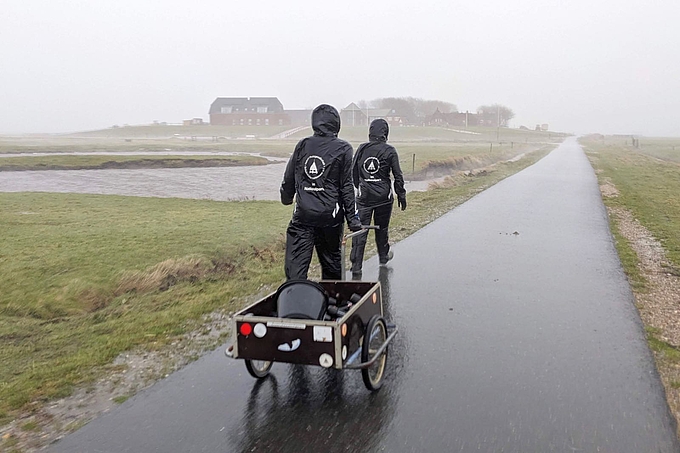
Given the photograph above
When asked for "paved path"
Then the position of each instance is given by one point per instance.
(518, 333)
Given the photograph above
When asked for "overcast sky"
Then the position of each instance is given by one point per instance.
(609, 66)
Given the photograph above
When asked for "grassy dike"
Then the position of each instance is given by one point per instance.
(86, 277)
(645, 182)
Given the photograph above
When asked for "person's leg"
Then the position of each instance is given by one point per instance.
(356, 256)
(299, 246)
(382, 235)
(327, 242)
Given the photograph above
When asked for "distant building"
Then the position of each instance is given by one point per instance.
(353, 115)
(452, 119)
(193, 122)
(388, 115)
(252, 111)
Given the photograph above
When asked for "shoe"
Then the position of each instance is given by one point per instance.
(356, 275)
(390, 255)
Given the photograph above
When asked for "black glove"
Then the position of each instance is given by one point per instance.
(355, 224)
(402, 203)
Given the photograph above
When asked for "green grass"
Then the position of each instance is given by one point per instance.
(437, 151)
(87, 277)
(93, 162)
(359, 134)
(669, 353)
(664, 149)
(648, 187)
(121, 399)
(79, 284)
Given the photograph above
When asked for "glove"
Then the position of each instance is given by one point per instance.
(355, 225)
(402, 203)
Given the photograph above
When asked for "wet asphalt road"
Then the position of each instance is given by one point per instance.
(518, 333)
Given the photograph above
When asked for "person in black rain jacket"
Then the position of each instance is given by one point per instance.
(371, 169)
(319, 178)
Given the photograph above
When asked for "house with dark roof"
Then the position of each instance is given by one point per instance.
(250, 111)
(353, 115)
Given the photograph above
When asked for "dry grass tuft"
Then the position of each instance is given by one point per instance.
(162, 276)
(94, 299)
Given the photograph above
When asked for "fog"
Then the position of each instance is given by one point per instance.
(581, 66)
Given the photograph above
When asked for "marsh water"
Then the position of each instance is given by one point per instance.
(257, 182)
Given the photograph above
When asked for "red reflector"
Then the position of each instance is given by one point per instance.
(246, 329)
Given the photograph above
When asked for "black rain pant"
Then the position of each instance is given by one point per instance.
(381, 217)
(300, 242)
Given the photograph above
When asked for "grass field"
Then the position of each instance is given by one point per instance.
(648, 180)
(642, 184)
(357, 135)
(424, 152)
(659, 148)
(87, 277)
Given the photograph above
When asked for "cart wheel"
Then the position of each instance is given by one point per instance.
(374, 337)
(258, 368)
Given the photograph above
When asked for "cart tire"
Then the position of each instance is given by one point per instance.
(374, 337)
(258, 368)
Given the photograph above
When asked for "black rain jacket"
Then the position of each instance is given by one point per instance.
(319, 174)
(371, 168)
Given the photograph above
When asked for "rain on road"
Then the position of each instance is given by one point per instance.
(517, 333)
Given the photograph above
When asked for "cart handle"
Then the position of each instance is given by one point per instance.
(364, 229)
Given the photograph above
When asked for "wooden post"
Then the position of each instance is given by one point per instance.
(413, 171)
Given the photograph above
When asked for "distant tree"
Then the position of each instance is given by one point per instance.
(491, 114)
(401, 105)
(413, 108)
(429, 107)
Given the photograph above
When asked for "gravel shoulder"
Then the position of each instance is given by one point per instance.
(659, 302)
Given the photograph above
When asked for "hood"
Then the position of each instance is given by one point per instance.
(325, 121)
(378, 131)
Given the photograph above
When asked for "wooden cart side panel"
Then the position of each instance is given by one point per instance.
(357, 319)
(287, 341)
(306, 341)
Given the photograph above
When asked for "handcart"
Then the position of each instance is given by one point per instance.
(332, 324)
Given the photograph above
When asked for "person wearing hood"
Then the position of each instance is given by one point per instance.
(371, 169)
(318, 178)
